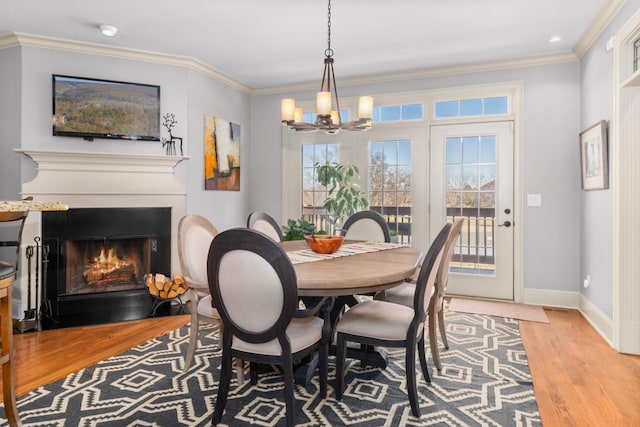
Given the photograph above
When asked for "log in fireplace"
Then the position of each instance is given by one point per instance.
(98, 258)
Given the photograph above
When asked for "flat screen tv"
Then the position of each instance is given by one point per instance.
(93, 108)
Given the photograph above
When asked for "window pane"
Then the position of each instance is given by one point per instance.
(470, 149)
(344, 116)
(375, 152)
(488, 177)
(470, 177)
(404, 178)
(488, 149)
(454, 177)
(390, 152)
(404, 152)
(390, 113)
(454, 150)
(412, 112)
(446, 109)
(470, 107)
(307, 155)
(309, 117)
(376, 115)
(375, 177)
(333, 153)
(497, 105)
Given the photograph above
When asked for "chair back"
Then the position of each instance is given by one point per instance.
(264, 223)
(443, 270)
(17, 219)
(367, 225)
(428, 271)
(195, 234)
(253, 285)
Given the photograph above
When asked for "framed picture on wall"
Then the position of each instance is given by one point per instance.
(594, 157)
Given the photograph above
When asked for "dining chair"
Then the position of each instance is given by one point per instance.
(265, 223)
(254, 286)
(403, 294)
(386, 324)
(7, 278)
(366, 225)
(195, 234)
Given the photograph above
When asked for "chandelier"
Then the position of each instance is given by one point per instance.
(327, 118)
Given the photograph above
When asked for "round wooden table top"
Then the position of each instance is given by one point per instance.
(356, 274)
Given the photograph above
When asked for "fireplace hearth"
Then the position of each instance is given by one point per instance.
(98, 258)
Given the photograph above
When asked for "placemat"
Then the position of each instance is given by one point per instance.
(347, 249)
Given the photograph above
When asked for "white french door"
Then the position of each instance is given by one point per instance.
(472, 177)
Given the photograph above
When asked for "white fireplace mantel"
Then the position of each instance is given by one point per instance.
(76, 173)
(96, 180)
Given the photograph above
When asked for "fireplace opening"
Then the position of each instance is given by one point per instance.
(104, 266)
(98, 259)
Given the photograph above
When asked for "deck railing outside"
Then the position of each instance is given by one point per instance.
(476, 238)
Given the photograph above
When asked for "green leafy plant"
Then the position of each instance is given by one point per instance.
(344, 197)
(297, 229)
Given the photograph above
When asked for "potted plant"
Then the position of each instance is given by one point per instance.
(344, 197)
(297, 229)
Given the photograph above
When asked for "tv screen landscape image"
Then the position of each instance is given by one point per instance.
(93, 108)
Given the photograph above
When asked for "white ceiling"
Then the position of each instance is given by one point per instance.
(263, 44)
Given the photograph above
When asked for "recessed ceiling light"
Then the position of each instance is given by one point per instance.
(108, 30)
(555, 39)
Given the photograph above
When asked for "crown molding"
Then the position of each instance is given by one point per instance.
(530, 61)
(20, 39)
(603, 18)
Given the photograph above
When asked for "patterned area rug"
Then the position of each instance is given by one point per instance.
(485, 381)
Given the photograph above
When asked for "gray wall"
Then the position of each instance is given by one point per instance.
(551, 161)
(597, 206)
(26, 120)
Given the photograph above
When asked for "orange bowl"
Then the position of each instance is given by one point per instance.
(323, 244)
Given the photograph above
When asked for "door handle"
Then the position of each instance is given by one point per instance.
(505, 224)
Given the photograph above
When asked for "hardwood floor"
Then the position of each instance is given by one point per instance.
(578, 379)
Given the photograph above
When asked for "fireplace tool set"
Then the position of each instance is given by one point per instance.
(33, 314)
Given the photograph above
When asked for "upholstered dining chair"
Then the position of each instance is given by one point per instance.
(386, 324)
(7, 277)
(403, 294)
(366, 225)
(195, 234)
(265, 223)
(254, 286)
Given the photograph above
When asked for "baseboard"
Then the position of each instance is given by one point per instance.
(550, 298)
(600, 322)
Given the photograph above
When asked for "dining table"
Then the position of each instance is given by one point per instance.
(357, 268)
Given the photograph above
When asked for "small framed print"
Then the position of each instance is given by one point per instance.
(594, 157)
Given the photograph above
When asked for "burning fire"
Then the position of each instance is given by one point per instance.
(108, 268)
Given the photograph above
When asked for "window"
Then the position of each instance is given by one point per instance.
(471, 194)
(314, 194)
(396, 113)
(472, 107)
(390, 184)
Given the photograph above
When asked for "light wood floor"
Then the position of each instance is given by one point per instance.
(578, 379)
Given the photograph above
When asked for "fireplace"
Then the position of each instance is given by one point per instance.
(97, 262)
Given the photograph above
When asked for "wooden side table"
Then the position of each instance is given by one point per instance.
(7, 276)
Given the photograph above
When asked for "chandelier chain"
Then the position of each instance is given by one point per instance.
(329, 51)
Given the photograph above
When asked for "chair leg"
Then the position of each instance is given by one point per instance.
(410, 361)
(340, 354)
(443, 331)
(423, 360)
(324, 358)
(223, 386)
(433, 341)
(193, 332)
(240, 371)
(289, 385)
(253, 372)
